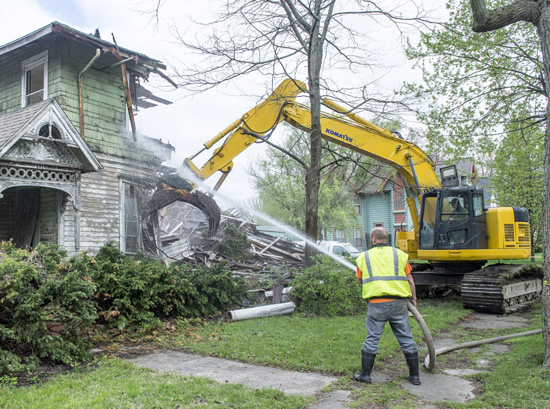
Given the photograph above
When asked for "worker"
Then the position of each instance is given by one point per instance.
(457, 206)
(459, 212)
(385, 275)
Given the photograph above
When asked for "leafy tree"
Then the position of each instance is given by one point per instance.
(479, 81)
(517, 179)
(474, 84)
(536, 13)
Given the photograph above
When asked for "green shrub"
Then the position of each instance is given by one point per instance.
(45, 304)
(235, 244)
(136, 292)
(214, 290)
(133, 292)
(327, 288)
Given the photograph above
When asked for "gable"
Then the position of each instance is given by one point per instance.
(43, 134)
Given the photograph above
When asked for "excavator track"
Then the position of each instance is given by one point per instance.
(501, 288)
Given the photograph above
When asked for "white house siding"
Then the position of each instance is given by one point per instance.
(47, 217)
(100, 215)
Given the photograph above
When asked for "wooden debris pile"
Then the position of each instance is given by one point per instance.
(182, 240)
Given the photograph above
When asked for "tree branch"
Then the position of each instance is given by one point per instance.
(490, 20)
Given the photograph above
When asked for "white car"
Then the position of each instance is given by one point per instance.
(340, 249)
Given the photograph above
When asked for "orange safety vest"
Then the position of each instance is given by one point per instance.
(383, 271)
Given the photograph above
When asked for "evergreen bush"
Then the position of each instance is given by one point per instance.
(235, 244)
(138, 292)
(47, 300)
(327, 289)
(45, 305)
(214, 290)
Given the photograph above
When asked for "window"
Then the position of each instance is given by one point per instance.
(50, 130)
(427, 224)
(357, 205)
(339, 250)
(35, 79)
(339, 236)
(358, 238)
(130, 228)
(455, 209)
(478, 204)
(398, 197)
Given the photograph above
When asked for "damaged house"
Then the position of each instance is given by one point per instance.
(73, 168)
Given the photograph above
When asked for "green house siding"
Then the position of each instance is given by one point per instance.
(379, 208)
(104, 101)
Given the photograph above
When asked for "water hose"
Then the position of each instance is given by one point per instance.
(428, 360)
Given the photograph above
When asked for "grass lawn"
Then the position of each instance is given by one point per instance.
(113, 383)
(328, 345)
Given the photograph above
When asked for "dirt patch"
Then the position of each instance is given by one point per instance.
(43, 374)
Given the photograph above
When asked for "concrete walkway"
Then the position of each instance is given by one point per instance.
(437, 386)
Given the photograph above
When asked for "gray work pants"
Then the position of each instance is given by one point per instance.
(396, 313)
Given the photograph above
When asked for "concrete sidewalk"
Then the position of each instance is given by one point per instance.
(437, 386)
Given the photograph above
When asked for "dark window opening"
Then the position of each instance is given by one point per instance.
(50, 130)
(34, 90)
(455, 209)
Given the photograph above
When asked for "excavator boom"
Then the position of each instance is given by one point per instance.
(346, 129)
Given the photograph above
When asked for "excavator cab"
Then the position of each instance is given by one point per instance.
(453, 218)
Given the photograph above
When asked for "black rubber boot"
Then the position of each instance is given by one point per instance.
(367, 362)
(414, 370)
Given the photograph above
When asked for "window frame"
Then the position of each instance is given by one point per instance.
(357, 204)
(358, 238)
(124, 219)
(26, 66)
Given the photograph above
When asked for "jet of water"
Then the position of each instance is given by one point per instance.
(294, 232)
(188, 175)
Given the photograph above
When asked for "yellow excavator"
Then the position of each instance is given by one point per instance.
(454, 234)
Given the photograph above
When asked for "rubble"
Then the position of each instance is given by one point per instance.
(270, 259)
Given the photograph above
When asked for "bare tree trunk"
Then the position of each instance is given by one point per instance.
(313, 173)
(543, 29)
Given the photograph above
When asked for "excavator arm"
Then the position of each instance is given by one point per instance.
(352, 132)
(339, 126)
(252, 127)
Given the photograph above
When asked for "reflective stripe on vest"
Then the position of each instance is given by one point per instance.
(386, 276)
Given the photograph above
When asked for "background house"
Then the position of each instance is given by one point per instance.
(382, 204)
(73, 167)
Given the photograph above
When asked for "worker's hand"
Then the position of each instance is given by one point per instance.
(413, 302)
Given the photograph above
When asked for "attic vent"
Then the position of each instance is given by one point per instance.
(50, 130)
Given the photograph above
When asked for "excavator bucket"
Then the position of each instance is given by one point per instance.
(175, 189)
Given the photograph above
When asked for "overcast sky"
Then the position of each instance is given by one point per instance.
(189, 121)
